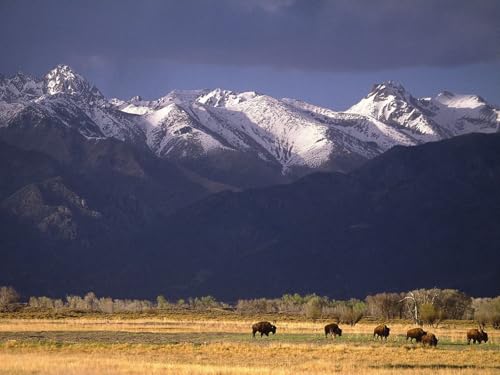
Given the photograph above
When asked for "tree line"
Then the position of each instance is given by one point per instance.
(422, 306)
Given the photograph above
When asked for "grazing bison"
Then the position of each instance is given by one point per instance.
(476, 335)
(332, 329)
(429, 339)
(264, 328)
(381, 331)
(415, 333)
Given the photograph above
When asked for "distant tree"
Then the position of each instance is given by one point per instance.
(44, 303)
(350, 312)
(385, 305)
(487, 311)
(257, 306)
(446, 304)
(161, 302)
(431, 315)
(205, 302)
(8, 297)
(314, 308)
(292, 303)
(75, 303)
(90, 302)
(106, 305)
(452, 303)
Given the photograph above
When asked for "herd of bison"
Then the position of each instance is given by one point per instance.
(382, 332)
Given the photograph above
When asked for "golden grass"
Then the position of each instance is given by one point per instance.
(455, 332)
(298, 348)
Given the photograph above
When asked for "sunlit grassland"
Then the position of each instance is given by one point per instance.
(197, 344)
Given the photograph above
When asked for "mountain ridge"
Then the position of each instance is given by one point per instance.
(263, 139)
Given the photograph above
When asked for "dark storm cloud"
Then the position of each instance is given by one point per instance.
(308, 35)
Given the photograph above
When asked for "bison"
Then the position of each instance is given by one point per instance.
(476, 335)
(381, 331)
(264, 328)
(429, 339)
(333, 329)
(415, 333)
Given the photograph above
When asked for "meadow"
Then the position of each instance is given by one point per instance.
(221, 343)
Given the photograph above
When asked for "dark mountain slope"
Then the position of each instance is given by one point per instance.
(413, 217)
(67, 223)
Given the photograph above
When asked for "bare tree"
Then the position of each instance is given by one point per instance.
(385, 305)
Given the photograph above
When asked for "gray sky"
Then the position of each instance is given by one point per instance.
(326, 52)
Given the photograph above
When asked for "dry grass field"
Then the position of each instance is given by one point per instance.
(205, 345)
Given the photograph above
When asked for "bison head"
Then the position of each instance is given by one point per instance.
(273, 329)
(484, 336)
(339, 332)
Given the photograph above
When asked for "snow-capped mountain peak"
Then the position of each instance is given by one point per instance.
(222, 98)
(63, 79)
(452, 100)
(389, 88)
(390, 103)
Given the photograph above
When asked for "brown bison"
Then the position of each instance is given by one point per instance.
(429, 339)
(415, 333)
(264, 328)
(476, 335)
(381, 331)
(333, 329)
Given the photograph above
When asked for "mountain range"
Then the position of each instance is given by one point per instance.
(241, 194)
(240, 139)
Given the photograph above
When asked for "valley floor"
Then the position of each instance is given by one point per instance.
(195, 345)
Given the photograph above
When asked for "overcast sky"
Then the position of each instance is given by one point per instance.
(326, 52)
